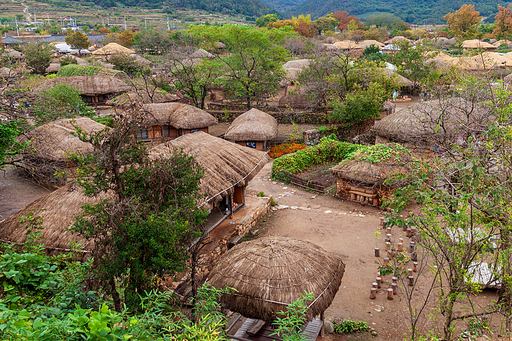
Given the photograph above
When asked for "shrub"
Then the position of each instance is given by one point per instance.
(39, 56)
(350, 327)
(328, 150)
(285, 148)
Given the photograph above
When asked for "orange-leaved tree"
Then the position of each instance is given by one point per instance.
(503, 21)
(464, 22)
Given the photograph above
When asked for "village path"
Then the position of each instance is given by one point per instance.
(346, 229)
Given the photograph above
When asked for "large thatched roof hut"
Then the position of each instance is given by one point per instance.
(170, 120)
(362, 180)
(93, 89)
(426, 123)
(252, 129)
(112, 48)
(270, 273)
(57, 210)
(227, 165)
(48, 154)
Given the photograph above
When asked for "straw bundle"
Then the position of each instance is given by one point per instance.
(113, 48)
(272, 272)
(477, 44)
(420, 121)
(347, 45)
(253, 125)
(55, 140)
(179, 115)
(88, 85)
(357, 170)
(225, 164)
(58, 210)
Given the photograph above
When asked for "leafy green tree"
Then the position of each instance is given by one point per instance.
(78, 40)
(194, 79)
(387, 20)
(141, 232)
(9, 130)
(411, 61)
(266, 19)
(252, 68)
(359, 105)
(38, 55)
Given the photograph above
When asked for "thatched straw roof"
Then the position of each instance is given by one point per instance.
(179, 115)
(225, 164)
(359, 170)
(58, 210)
(201, 53)
(141, 60)
(295, 67)
(14, 54)
(253, 125)
(113, 48)
(55, 64)
(395, 39)
(482, 61)
(477, 44)
(401, 80)
(88, 85)
(270, 273)
(295, 101)
(369, 42)
(220, 45)
(131, 97)
(8, 73)
(501, 42)
(347, 45)
(421, 120)
(55, 140)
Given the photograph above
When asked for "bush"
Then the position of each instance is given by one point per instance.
(351, 327)
(328, 150)
(285, 148)
(39, 56)
(67, 60)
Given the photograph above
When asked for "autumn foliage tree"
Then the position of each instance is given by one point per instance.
(464, 22)
(345, 19)
(503, 21)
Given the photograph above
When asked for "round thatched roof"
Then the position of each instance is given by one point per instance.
(225, 164)
(420, 121)
(401, 80)
(55, 64)
(395, 39)
(477, 44)
(55, 140)
(131, 97)
(14, 54)
(201, 53)
(58, 210)
(113, 48)
(87, 85)
(369, 42)
(358, 170)
(347, 45)
(253, 125)
(179, 115)
(8, 73)
(272, 272)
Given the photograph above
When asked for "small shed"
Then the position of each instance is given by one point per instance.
(94, 90)
(361, 179)
(167, 121)
(270, 273)
(252, 129)
(47, 156)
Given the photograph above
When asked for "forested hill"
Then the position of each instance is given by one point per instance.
(283, 5)
(246, 7)
(411, 11)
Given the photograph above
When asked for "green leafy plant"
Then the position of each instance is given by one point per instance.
(288, 325)
(351, 327)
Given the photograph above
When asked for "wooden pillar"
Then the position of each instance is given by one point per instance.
(230, 207)
(243, 194)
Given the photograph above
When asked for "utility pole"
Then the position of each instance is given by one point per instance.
(145, 23)
(125, 22)
(17, 30)
(48, 18)
(168, 28)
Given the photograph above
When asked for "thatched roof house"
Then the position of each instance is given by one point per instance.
(55, 64)
(227, 166)
(127, 99)
(478, 44)
(57, 210)
(7, 73)
(400, 80)
(361, 180)
(112, 48)
(270, 273)
(201, 53)
(93, 89)
(396, 39)
(424, 123)
(47, 156)
(252, 129)
(170, 120)
(295, 101)
(295, 67)
(366, 43)
(14, 54)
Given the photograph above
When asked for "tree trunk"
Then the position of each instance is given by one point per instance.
(448, 314)
(115, 295)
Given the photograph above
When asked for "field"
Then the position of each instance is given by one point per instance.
(119, 16)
